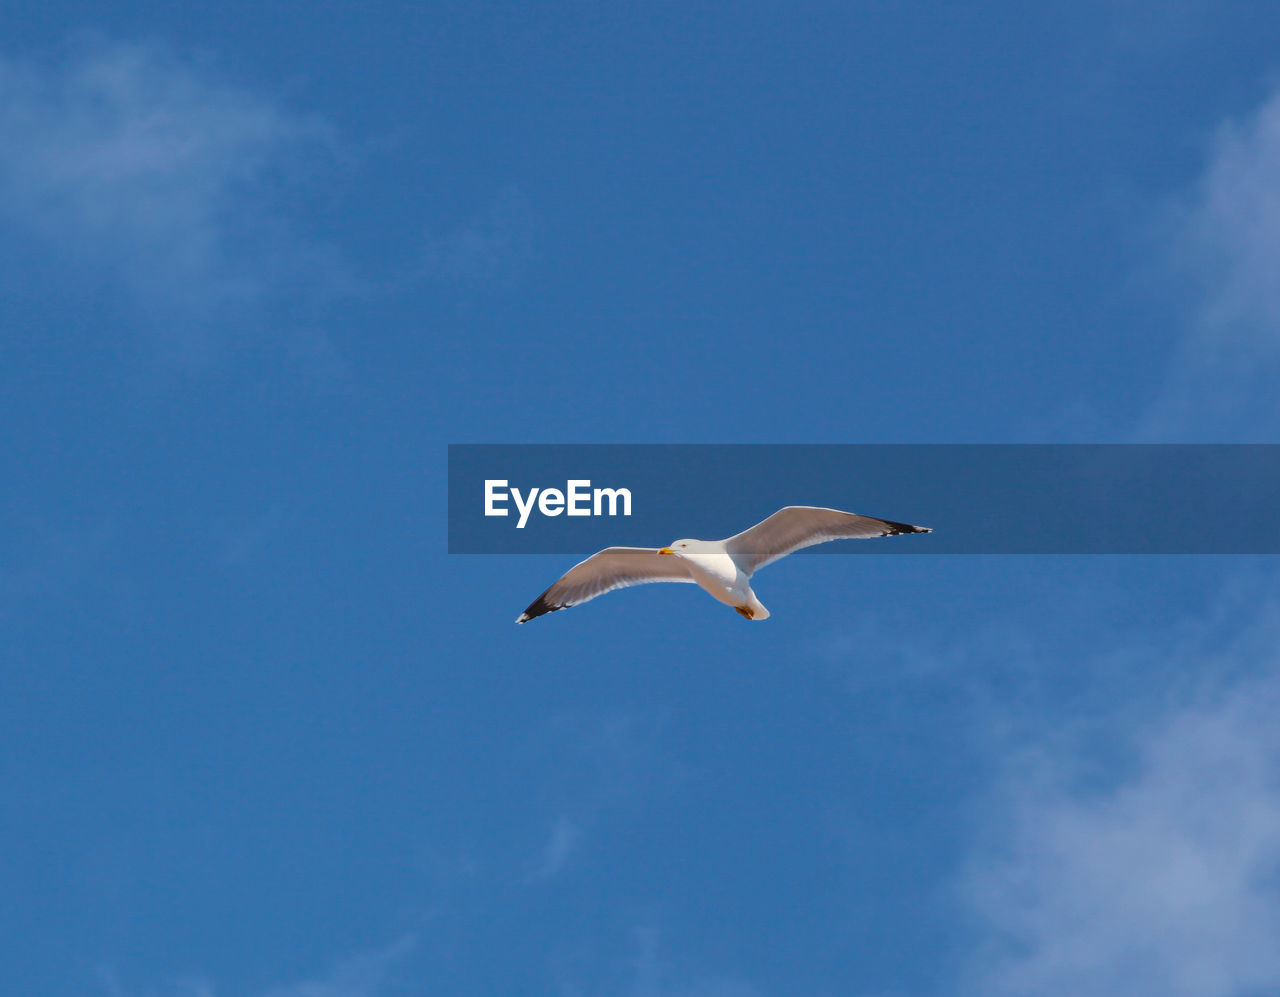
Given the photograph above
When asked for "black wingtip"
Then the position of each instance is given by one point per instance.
(896, 528)
(538, 607)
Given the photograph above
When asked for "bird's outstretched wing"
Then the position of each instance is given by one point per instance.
(604, 571)
(798, 526)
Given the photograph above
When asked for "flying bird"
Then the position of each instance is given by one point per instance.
(722, 567)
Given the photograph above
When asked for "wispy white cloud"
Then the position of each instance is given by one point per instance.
(127, 162)
(1236, 217)
(1154, 873)
(1225, 237)
(147, 171)
(370, 973)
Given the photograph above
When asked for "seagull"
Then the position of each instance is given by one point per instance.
(722, 567)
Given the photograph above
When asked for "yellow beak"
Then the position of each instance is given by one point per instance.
(666, 550)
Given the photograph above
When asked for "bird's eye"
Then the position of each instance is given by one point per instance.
(684, 545)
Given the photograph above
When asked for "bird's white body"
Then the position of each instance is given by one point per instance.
(715, 570)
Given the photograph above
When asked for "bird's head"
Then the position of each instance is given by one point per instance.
(680, 548)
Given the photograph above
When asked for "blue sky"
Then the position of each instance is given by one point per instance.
(260, 736)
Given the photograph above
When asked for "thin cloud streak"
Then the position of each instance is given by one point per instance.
(372, 973)
(488, 255)
(646, 971)
(562, 840)
(365, 975)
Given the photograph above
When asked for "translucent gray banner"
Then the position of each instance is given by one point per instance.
(978, 499)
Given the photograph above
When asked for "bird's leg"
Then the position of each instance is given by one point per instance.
(745, 612)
